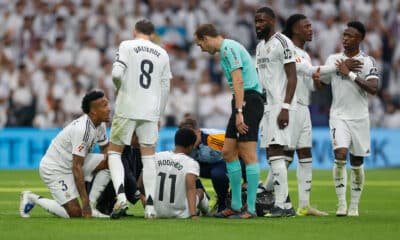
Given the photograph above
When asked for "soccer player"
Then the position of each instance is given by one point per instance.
(298, 29)
(247, 109)
(176, 174)
(277, 70)
(349, 120)
(69, 161)
(141, 73)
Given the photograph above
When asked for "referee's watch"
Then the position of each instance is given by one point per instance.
(239, 110)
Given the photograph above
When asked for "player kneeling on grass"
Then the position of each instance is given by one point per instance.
(176, 175)
(68, 162)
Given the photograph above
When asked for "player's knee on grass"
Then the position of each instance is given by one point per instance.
(304, 153)
(356, 160)
(341, 154)
(73, 209)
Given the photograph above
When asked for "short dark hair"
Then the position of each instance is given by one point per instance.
(185, 137)
(207, 29)
(267, 11)
(358, 26)
(90, 97)
(188, 122)
(290, 22)
(145, 26)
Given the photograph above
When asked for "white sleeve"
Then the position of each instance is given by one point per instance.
(119, 65)
(327, 77)
(286, 51)
(103, 139)
(193, 167)
(165, 86)
(80, 141)
(371, 70)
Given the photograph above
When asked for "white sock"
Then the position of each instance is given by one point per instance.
(340, 180)
(269, 181)
(99, 183)
(304, 176)
(49, 205)
(288, 202)
(149, 173)
(279, 171)
(203, 204)
(117, 174)
(357, 184)
(92, 160)
(288, 161)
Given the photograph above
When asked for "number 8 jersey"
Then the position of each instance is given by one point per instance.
(145, 82)
(171, 170)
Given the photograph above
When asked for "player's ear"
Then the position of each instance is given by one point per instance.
(152, 36)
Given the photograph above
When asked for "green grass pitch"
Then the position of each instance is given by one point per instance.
(379, 216)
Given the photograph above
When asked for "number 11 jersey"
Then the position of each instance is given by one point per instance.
(146, 75)
(171, 168)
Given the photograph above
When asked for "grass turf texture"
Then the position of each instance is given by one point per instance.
(379, 216)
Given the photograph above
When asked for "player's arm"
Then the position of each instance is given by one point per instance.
(119, 66)
(283, 117)
(369, 84)
(77, 171)
(165, 86)
(237, 80)
(191, 193)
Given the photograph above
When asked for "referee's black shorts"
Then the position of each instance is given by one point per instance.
(253, 111)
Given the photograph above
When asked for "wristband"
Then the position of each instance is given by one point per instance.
(352, 76)
(286, 106)
(239, 110)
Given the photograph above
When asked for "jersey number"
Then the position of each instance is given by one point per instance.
(162, 182)
(146, 67)
(64, 186)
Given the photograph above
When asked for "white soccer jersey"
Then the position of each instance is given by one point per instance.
(271, 57)
(146, 78)
(171, 169)
(78, 138)
(349, 100)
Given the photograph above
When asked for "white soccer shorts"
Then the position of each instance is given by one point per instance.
(61, 186)
(301, 129)
(122, 130)
(351, 134)
(270, 132)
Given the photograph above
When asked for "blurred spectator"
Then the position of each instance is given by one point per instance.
(391, 118)
(50, 39)
(22, 100)
(214, 108)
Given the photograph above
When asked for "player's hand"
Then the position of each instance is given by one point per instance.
(86, 211)
(353, 64)
(317, 78)
(342, 68)
(283, 118)
(240, 125)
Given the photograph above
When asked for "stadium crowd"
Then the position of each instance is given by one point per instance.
(53, 51)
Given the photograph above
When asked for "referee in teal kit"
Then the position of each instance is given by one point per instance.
(247, 110)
